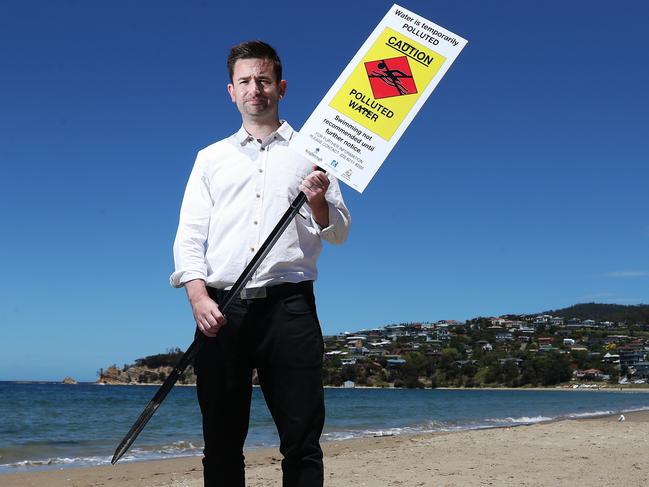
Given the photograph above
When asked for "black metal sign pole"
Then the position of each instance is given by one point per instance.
(193, 349)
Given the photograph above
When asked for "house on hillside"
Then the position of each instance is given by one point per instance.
(443, 333)
(462, 363)
(512, 360)
(359, 351)
(335, 353)
(376, 352)
(395, 362)
(573, 323)
(640, 370)
(589, 374)
(485, 345)
(630, 357)
(515, 325)
(504, 336)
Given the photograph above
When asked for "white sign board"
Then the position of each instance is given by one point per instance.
(365, 112)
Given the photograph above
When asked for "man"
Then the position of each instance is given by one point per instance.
(237, 191)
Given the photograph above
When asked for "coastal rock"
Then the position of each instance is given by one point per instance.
(138, 374)
(152, 369)
(69, 380)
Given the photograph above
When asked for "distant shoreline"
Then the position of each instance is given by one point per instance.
(566, 387)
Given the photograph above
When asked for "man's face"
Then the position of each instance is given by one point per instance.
(255, 90)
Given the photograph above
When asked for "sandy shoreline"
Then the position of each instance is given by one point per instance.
(596, 451)
(583, 387)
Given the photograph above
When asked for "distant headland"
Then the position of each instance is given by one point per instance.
(592, 344)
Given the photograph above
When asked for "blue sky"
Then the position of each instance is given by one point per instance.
(518, 188)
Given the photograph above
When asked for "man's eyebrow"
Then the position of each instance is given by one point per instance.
(261, 76)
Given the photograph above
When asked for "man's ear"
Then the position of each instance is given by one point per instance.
(231, 92)
(282, 88)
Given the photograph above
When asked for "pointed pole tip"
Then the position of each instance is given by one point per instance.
(117, 455)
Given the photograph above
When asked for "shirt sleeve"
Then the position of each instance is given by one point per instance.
(193, 227)
(339, 218)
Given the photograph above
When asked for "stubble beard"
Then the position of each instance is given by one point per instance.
(260, 108)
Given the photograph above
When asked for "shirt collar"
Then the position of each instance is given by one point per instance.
(284, 133)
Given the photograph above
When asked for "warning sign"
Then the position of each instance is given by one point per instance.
(366, 111)
(390, 77)
(392, 80)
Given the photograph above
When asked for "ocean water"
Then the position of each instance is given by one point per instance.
(55, 425)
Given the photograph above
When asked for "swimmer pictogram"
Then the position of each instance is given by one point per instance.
(387, 83)
(390, 77)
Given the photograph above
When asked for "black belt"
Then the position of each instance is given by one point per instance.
(274, 292)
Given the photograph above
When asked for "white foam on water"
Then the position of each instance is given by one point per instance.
(632, 410)
(57, 461)
(175, 449)
(590, 414)
(520, 420)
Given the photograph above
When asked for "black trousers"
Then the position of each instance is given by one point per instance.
(280, 336)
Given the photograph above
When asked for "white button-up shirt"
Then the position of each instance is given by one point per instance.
(238, 190)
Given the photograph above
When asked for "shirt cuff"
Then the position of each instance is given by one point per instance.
(179, 278)
(329, 230)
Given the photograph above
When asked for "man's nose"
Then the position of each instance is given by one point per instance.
(256, 87)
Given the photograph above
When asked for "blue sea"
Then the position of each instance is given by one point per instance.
(55, 425)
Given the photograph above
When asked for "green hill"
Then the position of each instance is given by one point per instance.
(604, 312)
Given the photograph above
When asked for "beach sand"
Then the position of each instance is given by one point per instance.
(597, 452)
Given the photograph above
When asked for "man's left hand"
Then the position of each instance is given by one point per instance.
(314, 186)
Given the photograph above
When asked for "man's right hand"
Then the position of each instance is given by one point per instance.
(207, 314)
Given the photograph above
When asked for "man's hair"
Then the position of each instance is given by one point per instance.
(255, 50)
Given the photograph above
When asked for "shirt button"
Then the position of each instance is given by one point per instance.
(262, 149)
(252, 249)
(261, 170)
(258, 195)
(255, 222)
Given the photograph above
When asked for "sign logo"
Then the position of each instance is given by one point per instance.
(315, 154)
(390, 77)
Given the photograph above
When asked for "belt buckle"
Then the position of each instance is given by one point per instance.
(253, 293)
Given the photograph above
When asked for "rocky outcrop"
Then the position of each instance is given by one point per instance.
(138, 374)
(69, 380)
